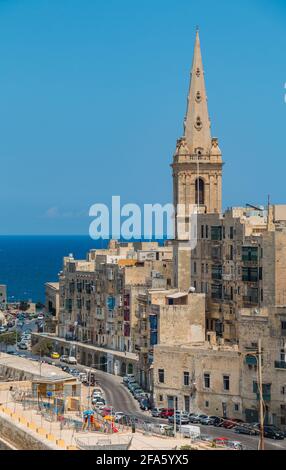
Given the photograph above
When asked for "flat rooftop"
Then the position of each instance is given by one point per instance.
(47, 371)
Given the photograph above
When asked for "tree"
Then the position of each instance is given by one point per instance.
(24, 306)
(8, 339)
(44, 347)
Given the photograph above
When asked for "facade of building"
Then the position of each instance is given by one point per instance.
(3, 297)
(52, 305)
(98, 296)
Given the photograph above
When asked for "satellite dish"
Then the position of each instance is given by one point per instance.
(191, 289)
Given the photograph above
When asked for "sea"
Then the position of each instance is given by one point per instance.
(28, 262)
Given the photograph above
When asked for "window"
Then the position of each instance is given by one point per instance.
(161, 375)
(207, 231)
(236, 407)
(200, 192)
(216, 291)
(216, 272)
(187, 403)
(195, 267)
(216, 233)
(202, 231)
(231, 233)
(198, 124)
(186, 379)
(249, 253)
(250, 274)
(203, 268)
(207, 380)
(283, 327)
(207, 404)
(161, 397)
(226, 382)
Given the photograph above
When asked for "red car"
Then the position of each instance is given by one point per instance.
(166, 413)
(231, 423)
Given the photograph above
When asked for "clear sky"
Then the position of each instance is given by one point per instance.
(93, 95)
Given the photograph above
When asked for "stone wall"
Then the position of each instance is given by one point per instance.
(22, 439)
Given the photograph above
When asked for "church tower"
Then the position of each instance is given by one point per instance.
(197, 165)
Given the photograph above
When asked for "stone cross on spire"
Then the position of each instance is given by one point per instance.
(197, 123)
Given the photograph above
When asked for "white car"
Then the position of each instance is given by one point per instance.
(71, 360)
(63, 358)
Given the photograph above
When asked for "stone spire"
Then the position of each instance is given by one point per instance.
(197, 123)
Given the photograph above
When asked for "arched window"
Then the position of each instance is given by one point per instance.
(200, 192)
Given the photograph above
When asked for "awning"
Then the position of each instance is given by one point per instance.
(177, 295)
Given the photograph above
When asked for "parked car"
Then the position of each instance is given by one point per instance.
(71, 360)
(246, 429)
(203, 419)
(208, 420)
(63, 358)
(156, 412)
(195, 418)
(180, 419)
(231, 423)
(133, 387)
(55, 355)
(144, 404)
(128, 378)
(82, 377)
(272, 432)
(166, 413)
(97, 400)
(23, 345)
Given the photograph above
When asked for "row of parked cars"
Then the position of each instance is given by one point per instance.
(138, 393)
(183, 418)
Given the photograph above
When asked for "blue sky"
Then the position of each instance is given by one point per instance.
(93, 95)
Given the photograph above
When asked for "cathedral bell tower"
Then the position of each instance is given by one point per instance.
(197, 165)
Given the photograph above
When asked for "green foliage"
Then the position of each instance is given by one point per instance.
(9, 338)
(44, 347)
(24, 306)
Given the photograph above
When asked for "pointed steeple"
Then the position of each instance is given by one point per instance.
(197, 123)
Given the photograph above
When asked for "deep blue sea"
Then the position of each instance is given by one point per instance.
(27, 262)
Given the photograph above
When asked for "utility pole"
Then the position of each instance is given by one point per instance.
(261, 407)
(175, 416)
